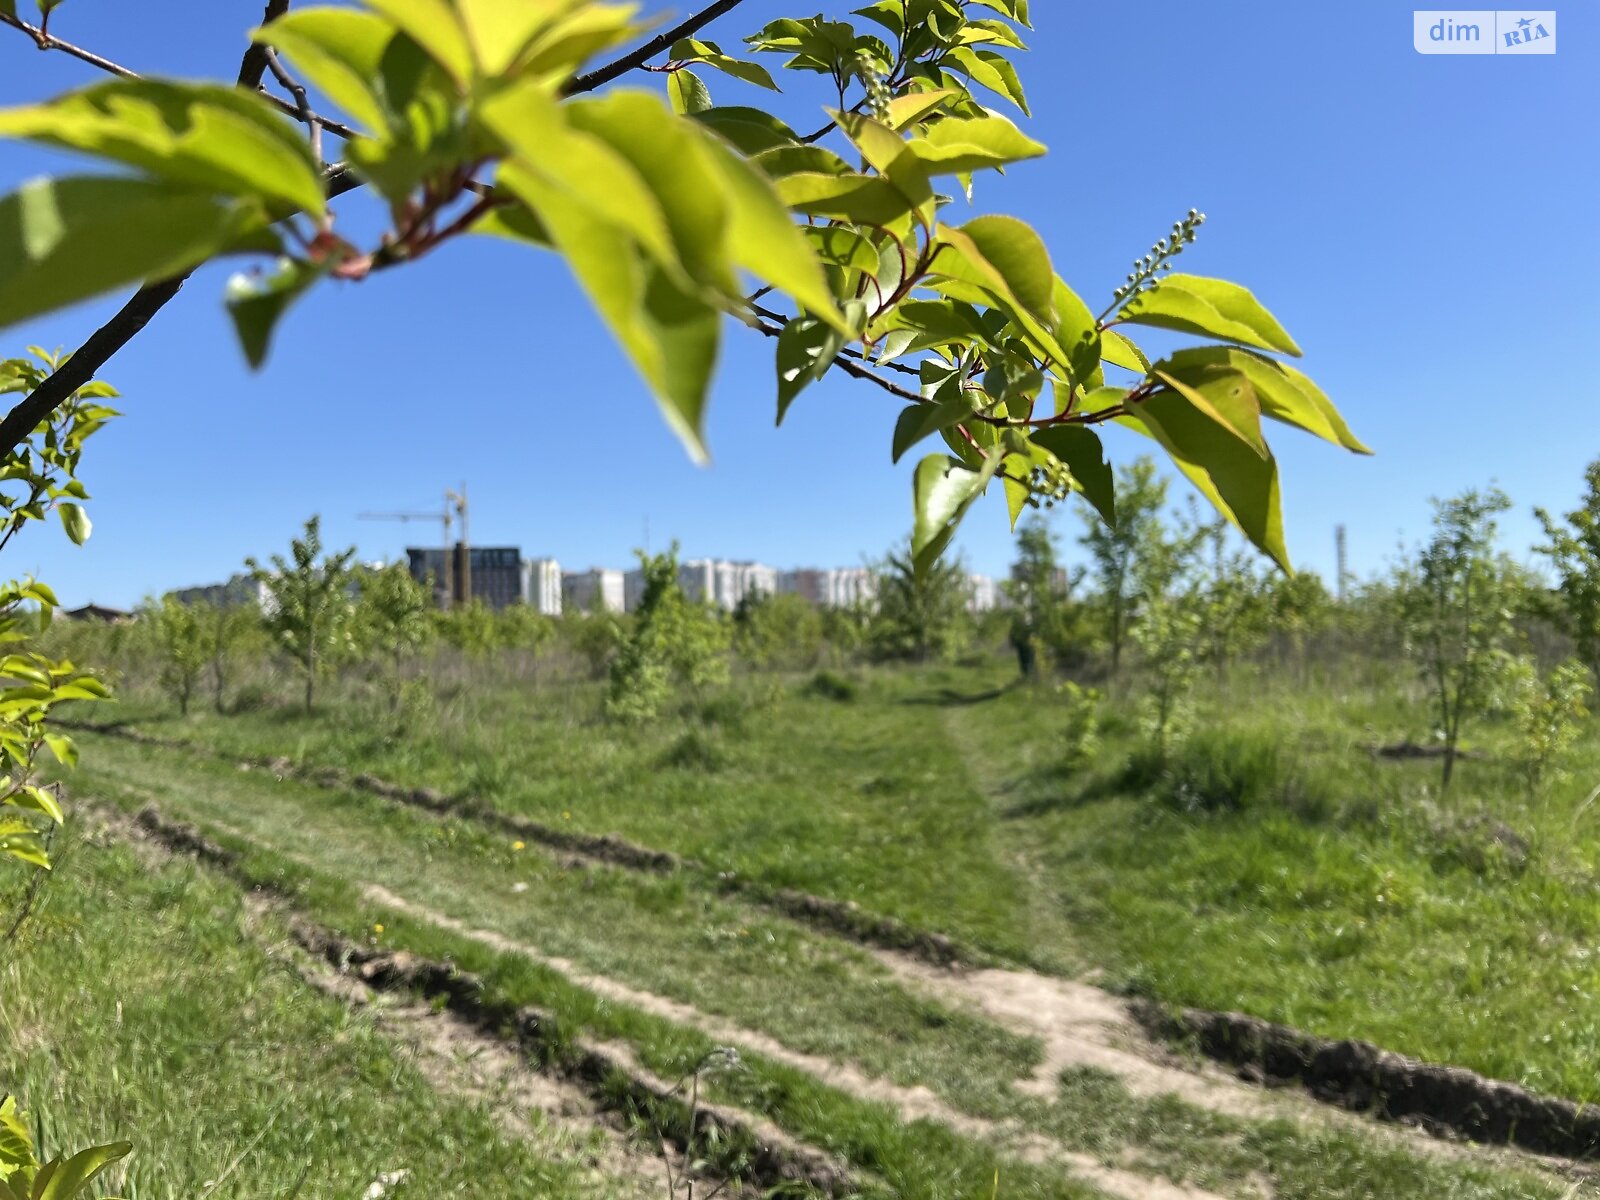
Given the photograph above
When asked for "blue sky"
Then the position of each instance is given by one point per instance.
(1425, 226)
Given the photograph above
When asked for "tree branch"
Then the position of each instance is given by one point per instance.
(688, 28)
(49, 41)
(133, 316)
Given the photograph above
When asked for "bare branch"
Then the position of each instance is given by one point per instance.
(302, 102)
(636, 58)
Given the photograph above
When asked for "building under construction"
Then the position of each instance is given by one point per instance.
(494, 573)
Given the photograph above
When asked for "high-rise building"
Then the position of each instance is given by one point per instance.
(541, 585)
(598, 589)
(838, 587)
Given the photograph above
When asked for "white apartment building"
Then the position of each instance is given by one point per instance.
(723, 583)
(599, 589)
(240, 591)
(542, 585)
(838, 587)
(984, 596)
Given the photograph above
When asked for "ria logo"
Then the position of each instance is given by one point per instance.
(1484, 31)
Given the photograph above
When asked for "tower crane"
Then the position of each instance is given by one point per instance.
(453, 510)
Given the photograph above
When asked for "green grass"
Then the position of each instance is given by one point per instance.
(1278, 869)
(813, 993)
(135, 1007)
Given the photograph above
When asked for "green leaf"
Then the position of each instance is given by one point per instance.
(1210, 308)
(761, 238)
(434, 25)
(960, 144)
(691, 50)
(1222, 394)
(62, 747)
(1239, 483)
(806, 349)
(202, 135)
(1284, 393)
(988, 69)
(943, 489)
(36, 799)
(687, 93)
(256, 302)
(1118, 350)
(670, 334)
(75, 521)
(1019, 260)
(918, 421)
(1078, 448)
(346, 54)
(859, 199)
(24, 846)
(79, 1171)
(749, 129)
(1077, 332)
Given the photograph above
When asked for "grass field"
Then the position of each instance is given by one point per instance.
(1273, 866)
(1347, 898)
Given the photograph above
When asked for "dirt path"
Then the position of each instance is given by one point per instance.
(910, 1103)
(459, 1061)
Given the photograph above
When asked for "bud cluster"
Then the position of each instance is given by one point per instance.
(878, 91)
(1143, 275)
(1049, 484)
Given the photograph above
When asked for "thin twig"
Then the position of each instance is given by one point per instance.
(637, 58)
(302, 102)
(48, 41)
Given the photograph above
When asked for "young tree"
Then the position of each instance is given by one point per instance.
(229, 630)
(1234, 601)
(1574, 551)
(182, 641)
(394, 617)
(782, 632)
(1038, 591)
(674, 642)
(1549, 709)
(921, 615)
(1169, 636)
(1132, 554)
(1456, 596)
(308, 605)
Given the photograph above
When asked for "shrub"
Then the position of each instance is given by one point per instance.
(696, 750)
(1228, 772)
(830, 686)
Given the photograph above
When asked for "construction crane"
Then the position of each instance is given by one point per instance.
(454, 510)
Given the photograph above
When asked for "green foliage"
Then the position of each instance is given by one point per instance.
(478, 118)
(308, 607)
(37, 474)
(470, 628)
(1227, 772)
(595, 637)
(831, 686)
(1038, 593)
(778, 632)
(1549, 709)
(233, 633)
(183, 634)
(1134, 558)
(921, 615)
(1168, 637)
(674, 643)
(393, 618)
(24, 1177)
(1082, 710)
(1456, 596)
(1574, 550)
(1236, 602)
